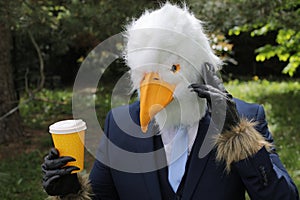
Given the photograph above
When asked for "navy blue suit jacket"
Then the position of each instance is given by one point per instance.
(262, 175)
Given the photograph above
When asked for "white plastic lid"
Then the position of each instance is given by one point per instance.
(67, 126)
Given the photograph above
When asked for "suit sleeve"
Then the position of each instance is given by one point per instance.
(263, 174)
(100, 177)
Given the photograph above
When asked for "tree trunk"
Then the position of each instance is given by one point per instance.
(10, 126)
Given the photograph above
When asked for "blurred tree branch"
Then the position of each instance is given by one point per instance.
(41, 64)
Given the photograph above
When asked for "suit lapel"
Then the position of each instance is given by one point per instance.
(195, 169)
(197, 165)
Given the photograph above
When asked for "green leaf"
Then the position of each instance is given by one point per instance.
(266, 52)
(263, 30)
(234, 31)
(238, 29)
(294, 63)
(284, 35)
(260, 57)
(283, 57)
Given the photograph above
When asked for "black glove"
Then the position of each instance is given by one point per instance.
(57, 179)
(220, 102)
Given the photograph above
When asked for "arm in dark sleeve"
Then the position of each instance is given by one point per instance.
(263, 174)
(100, 176)
(102, 182)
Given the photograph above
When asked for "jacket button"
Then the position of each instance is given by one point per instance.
(263, 174)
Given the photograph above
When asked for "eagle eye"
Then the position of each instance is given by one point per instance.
(175, 68)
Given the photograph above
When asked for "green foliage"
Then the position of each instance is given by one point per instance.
(294, 63)
(287, 49)
(24, 180)
(49, 106)
(4, 177)
(46, 107)
(60, 28)
(281, 19)
(259, 18)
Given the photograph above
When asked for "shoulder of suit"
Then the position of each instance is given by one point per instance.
(129, 110)
(240, 102)
(135, 106)
(249, 110)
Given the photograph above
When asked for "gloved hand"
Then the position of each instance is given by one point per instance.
(239, 139)
(218, 98)
(57, 179)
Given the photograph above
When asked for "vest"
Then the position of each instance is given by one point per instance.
(165, 187)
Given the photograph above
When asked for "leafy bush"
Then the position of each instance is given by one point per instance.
(46, 107)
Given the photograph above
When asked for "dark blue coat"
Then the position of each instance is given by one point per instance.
(262, 175)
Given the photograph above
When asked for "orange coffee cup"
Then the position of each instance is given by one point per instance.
(68, 138)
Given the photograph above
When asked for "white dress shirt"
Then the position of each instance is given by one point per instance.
(168, 136)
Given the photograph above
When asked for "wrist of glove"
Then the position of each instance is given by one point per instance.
(57, 178)
(221, 105)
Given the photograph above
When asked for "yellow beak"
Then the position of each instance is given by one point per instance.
(155, 94)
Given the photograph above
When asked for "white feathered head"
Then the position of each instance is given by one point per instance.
(166, 49)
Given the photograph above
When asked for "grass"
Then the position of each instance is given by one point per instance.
(24, 181)
(20, 173)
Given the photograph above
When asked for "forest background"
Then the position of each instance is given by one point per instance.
(43, 44)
